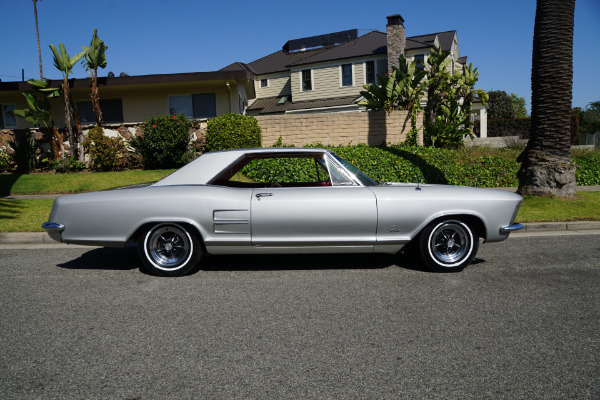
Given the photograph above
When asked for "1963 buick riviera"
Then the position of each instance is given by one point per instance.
(210, 206)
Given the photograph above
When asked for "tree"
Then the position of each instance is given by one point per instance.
(449, 101)
(64, 63)
(590, 119)
(95, 58)
(546, 166)
(38, 114)
(402, 89)
(37, 35)
(504, 105)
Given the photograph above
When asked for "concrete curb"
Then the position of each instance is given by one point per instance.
(539, 227)
(561, 226)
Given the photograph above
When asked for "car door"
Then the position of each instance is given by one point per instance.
(313, 217)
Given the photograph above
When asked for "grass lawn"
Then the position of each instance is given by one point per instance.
(29, 215)
(75, 183)
(585, 206)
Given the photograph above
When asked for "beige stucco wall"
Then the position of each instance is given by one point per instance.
(141, 102)
(373, 128)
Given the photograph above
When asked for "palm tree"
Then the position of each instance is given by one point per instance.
(546, 167)
(64, 63)
(37, 34)
(95, 57)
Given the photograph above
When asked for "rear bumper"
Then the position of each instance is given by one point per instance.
(54, 230)
(510, 228)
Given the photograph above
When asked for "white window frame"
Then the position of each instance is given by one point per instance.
(374, 72)
(268, 83)
(341, 75)
(6, 126)
(312, 80)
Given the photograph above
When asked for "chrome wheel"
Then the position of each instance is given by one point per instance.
(450, 241)
(448, 245)
(168, 247)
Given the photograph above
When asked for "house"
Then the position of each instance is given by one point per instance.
(326, 73)
(317, 74)
(133, 99)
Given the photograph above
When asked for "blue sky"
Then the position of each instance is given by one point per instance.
(171, 36)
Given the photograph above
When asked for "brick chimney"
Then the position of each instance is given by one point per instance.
(396, 39)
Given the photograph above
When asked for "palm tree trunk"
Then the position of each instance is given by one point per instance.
(546, 167)
(37, 34)
(96, 98)
(72, 141)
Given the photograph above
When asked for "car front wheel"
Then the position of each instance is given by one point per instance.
(169, 250)
(448, 245)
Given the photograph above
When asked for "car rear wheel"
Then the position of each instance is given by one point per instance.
(169, 250)
(448, 245)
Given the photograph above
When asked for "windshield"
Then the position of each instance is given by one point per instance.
(364, 179)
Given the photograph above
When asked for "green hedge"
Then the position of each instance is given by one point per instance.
(429, 165)
(232, 131)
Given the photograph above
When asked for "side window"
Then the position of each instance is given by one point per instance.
(338, 175)
(285, 171)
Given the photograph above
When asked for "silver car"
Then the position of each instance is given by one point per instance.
(222, 203)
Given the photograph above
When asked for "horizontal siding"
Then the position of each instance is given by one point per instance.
(278, 86)
(327, 81)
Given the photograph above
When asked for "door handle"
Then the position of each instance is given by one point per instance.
(259, 195)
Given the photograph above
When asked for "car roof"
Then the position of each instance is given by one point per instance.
(207, 166)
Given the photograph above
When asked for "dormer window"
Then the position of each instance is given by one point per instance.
(264, 83)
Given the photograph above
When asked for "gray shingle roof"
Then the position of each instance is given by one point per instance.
(372, 43)
(270, 105)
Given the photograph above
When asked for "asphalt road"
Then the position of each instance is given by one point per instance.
(523, 322)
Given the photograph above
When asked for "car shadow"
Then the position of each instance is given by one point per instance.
(106, 258)
(123, 259)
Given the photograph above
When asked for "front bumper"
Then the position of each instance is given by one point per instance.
(510, 228)
(54, 230)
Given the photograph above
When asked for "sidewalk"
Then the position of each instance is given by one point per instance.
(532, 228)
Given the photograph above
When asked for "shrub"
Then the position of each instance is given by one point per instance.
(107, 154)
(233, 131)
(4, 161)
(24, 153)
(165, 141)
(67, 164)
(588, 169)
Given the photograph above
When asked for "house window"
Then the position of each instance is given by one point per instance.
(370, 72)
(306, 79)
(264, 83)
(202, 105)
(346, 74)
(112, 111)
(420, 59)
(7, 118)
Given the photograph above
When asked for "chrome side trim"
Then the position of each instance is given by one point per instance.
(53, 227)
(510, 228)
